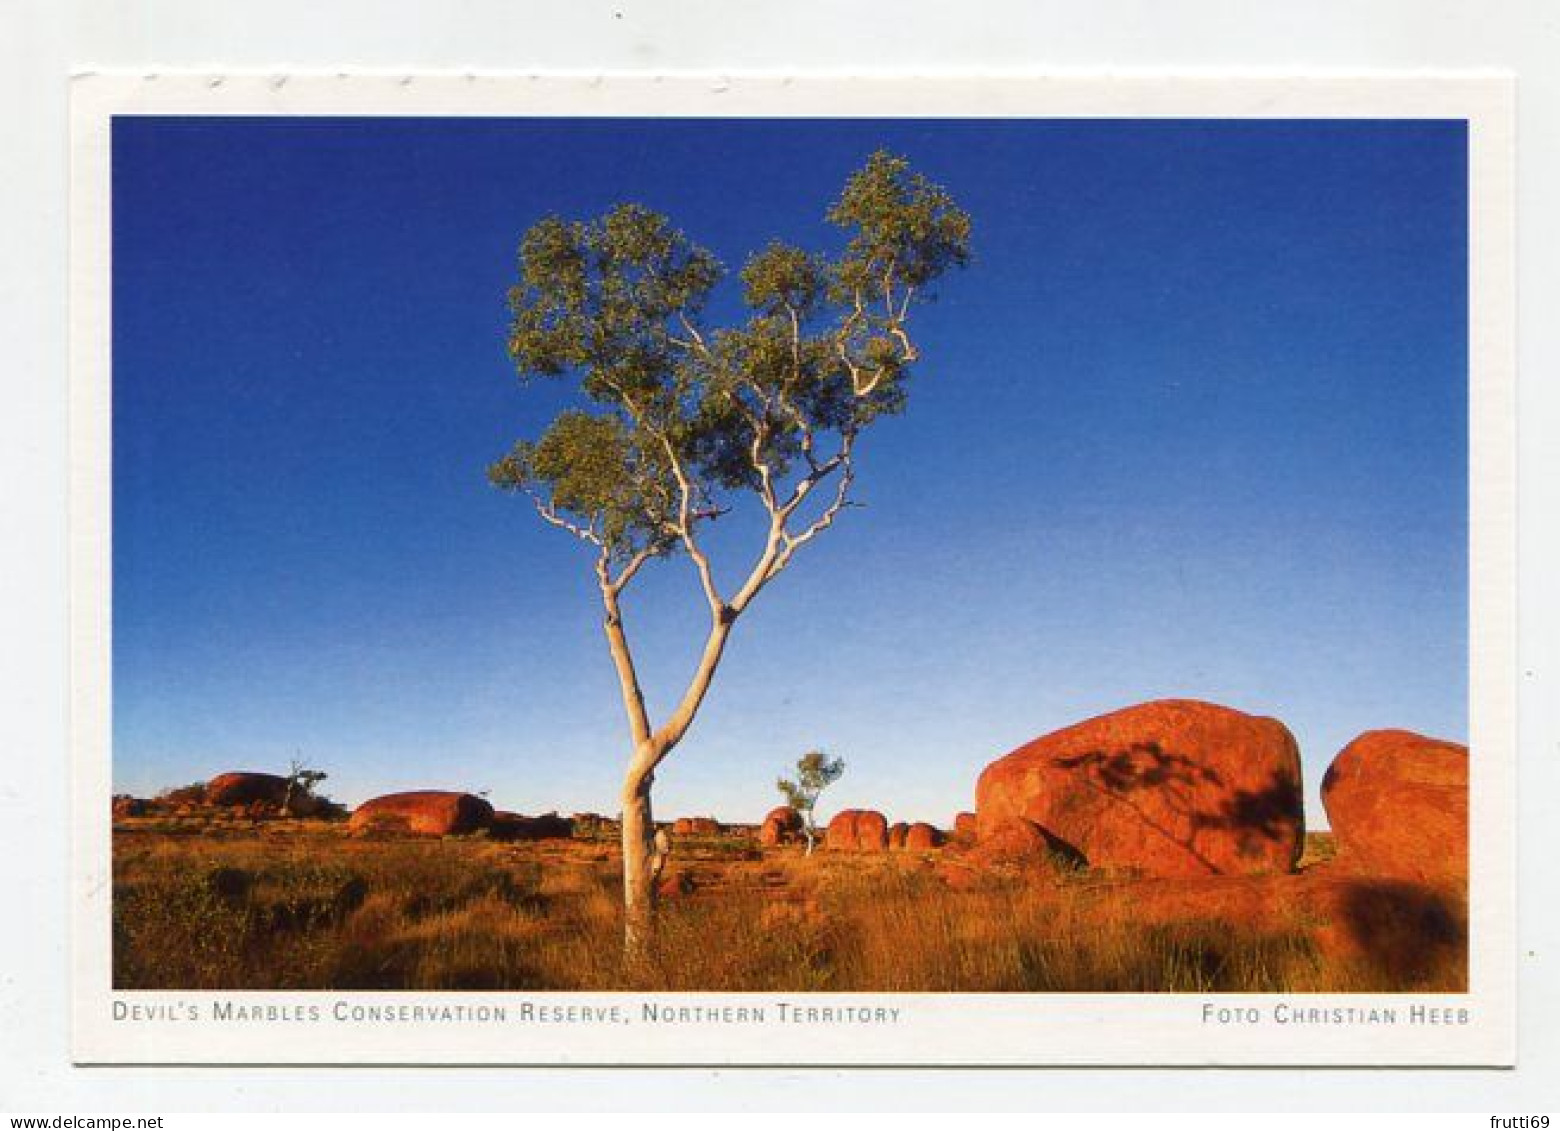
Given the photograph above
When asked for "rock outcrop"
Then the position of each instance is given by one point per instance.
(1174, 787)
(245, 788)
(508, 826)
(1018, 843)
(963, 829)
(264, 795)
(1398, 806)
(857, 830)
(781, 826)
(431, 812)
(696, 826)
(1013, 848)
(920, 837)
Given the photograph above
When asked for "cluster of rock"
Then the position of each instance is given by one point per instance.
(593, 826)
(245, 793)
(127, 806)
(509, 826)
(269, 790)
(1187, 788)
(917, 836)
(1174, 787)
(434, 812)
(866, 830)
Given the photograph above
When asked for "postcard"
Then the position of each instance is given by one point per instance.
(764, 570)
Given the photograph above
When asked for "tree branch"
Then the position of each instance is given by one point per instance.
(893, 324)
(622, 656)
(841, 500)
(693, 332)
(549, 513)
(781, 544)
(631, 567)
(684, 525)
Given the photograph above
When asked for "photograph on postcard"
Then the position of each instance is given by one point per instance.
(790, 556)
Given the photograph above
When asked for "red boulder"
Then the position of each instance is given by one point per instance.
(896, 834)
(696, 826)
(246, 788)
(429, 811)
(782, 826)
(920, 836)
(857, 830)
(1018, 843)
(1398, 805)
(1171, 788)
(964, 828)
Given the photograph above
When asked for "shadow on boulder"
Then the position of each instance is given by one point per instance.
(1190, 798)
(1169, 788)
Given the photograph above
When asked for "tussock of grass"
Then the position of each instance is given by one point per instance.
(326, 912)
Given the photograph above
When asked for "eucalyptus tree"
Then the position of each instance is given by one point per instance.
(815, 772)
(677, 422)
(300, 777)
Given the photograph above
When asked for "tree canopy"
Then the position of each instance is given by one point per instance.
(677, 418)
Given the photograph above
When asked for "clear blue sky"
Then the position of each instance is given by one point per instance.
(1193, 424)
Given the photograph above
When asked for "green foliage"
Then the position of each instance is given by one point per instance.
(596, 469)
(677, 416)
(815, 772)
(905, 225)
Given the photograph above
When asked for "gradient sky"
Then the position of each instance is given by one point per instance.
(1193, 424)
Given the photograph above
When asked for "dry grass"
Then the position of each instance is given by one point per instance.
(300, 909)
(1320, 848)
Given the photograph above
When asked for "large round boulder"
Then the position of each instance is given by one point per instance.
(1175, 787)
(896, 834)
(245, 787)
(781, 826)
(432, 812)
(857, 830)
(920, 836)
(1398, 806)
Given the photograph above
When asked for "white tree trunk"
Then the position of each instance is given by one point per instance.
(642, 862)
(643, 856)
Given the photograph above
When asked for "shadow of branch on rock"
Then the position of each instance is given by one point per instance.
(1174, 782)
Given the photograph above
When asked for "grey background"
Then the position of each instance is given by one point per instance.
(42, 42)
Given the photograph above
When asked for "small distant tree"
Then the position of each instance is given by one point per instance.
(815, 772)
(300, 777)
(677, 422)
